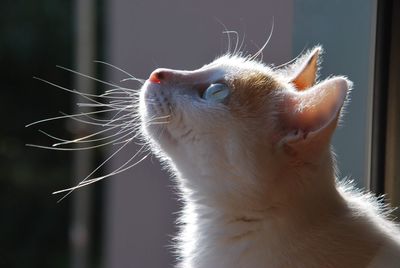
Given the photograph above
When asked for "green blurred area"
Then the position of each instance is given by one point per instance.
(35, 36)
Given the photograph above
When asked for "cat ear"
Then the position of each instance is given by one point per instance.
(306, 73)
(312, 112)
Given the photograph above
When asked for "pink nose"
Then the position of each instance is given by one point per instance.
(155, 78)
(159, 75)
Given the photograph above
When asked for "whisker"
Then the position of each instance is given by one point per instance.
(120, 69)
(115, 172)
(291, 61)
(116, 97)
(60, 149)
(237, 42)
(70, 190)
(227, 32)
(158, 123)
(88, 76)
(88, 122)
(67, 116)
(80, 148)
(84, 95)
(161, 117)
(121, 118)
(119, 128)
(142, 81)
(236, 39)
(123, 130)
(87, 95)
(122, 167)
(259, 49)
(154, 119)
(266, 42)
(242, 43)
(85, 138)
(120, 142)
(119, 90)
(109, 122)
(99, 105)
(131, 124)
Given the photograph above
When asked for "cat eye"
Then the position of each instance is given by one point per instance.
(216, 92)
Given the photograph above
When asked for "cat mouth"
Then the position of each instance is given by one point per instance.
(157, 102)
(155, 107)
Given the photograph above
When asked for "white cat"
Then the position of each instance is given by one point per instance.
(250, 148)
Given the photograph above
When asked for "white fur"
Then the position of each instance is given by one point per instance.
(238, 210)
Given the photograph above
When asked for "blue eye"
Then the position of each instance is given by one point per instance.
(216, 92)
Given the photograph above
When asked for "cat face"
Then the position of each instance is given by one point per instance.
(236, 114)
(206, 113)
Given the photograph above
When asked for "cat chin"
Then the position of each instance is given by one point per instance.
(159, 135)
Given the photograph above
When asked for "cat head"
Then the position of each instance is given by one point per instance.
(240, 116)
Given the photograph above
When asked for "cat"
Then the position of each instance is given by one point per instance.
(249, 147)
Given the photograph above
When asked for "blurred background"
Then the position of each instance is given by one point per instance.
(128, 220)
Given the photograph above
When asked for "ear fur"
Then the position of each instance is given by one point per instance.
(306, 69)
(310, 113)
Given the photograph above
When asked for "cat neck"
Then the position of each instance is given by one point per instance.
(292, 211)
(294, 191)
(301, 215)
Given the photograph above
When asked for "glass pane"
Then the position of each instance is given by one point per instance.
(345, 29)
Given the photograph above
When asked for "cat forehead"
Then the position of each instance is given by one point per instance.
(239, 65)
(251, 82)
(244, 73)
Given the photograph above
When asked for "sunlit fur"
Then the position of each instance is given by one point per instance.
(256, 191)
(249, 201)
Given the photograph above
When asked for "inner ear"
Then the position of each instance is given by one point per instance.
(306, 114)
(306, 74)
